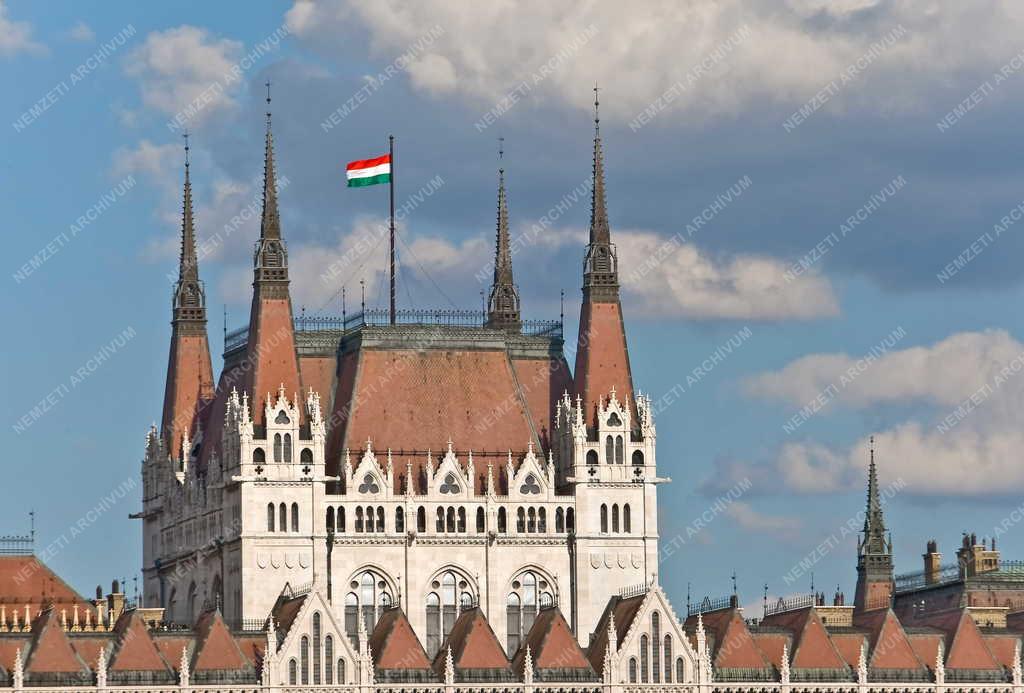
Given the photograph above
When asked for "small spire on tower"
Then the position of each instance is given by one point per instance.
(271, 256)
(503, 305)
(601, 273)
(189, 296)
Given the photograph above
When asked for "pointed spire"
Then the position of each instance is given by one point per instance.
(189, 295)
(874, 521)
(601, 268)
(271, 256)
(503, 305)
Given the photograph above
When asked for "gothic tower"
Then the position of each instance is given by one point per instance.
(602, 359)
(503, 305)
(189, 385)
(271, 357)
(874, 551)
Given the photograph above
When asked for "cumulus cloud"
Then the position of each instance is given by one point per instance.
(186, 66)
(82, 32)
(747, 518)
(726, 55)
(678, 280)
(964, 439)
(16, 37)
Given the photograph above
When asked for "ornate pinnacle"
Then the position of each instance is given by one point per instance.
(503, 305)
(271, 260)
(189, 296)
(874, 521)
(601, 267)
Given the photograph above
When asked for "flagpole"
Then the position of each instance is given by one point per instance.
(391, 218)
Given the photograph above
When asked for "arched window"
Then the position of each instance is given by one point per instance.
(615, 518)
(668, 658)
(330, 518)
(270, 517)
(293, 678)
(341, 671)
(450, 524)
(440, 519)
(591, 456)
(288, 447)
(618, 450)
(316, 648)
(559, 521)
(644, 655)
(462, 519)
(480, 524)
(328, 660)
(367, 602)
(172, 603)
(341, 520)
(513, 621)
(295, 517)
(421, 519)
(282, 516)
(638, 458)
(399, 520)
(433, 624)
(521, 521)
(542, 520)
(304, 659)
(352, 616)
(192, 603)
(626, 519)
(451, 594)
(632, 669)
(604, 518)
(368, 526)
(609, 450)
(259, 456)
(680, 670)
(359, 519)
(277, 448)
(306, 457)
(380, 519)
(531, 520)
(570, 520)
(655, 650)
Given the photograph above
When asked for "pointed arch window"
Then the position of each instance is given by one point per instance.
(531, 521)
(542, 520)
(306, 456)
(619, 452)
(368, 525)
(591, 456)
(288, 447)
(341, 520)
(530, 590)
(271, 511)
(638, 458)
(341, 671)
(282, 525)
(570, 520)
(328, 660)
(293, 677)
(680, 670)
(450, 516)
(433, 624)
(502, 521)
(440, 520)
(399, 520)
(559, 521)
(609, 450)
(644, 655)
(451, 594)
(615, 518)
(632, 669)
(626, 519)
(604, 519)
(480, 524)
(304, 659)
(316, 648)
(295, 517)
(277, 448)
(380, 519)
(330, 518)
(521, 521)
(655, 650)
(259, 456)
(352, 616)
(421, 519)
(462, 520)
(668, 658)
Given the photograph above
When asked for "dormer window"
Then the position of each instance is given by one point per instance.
(282, 418)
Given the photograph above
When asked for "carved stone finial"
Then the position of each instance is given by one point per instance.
(449, 668)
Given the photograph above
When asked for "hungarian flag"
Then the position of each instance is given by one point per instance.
(369, 171)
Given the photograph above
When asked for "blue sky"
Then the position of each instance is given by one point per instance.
(92, 91)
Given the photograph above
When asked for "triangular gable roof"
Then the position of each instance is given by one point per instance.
(394, 644)
(624, 611)
(9, 647)
(889, 646)
(473, 644)
(171, 646)
(733, 646)
(812, 647)
(849, 646)
(51, 651)
(552, 647)
(285, 610)
(926, 646)
(965, 646)
(216, 649)
(772, 644)
(134, 649)
(1003, 647)
(27, 580)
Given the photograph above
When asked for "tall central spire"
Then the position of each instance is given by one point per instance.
(503, 306)
(874, 522)
(189, 296)
(601, 267)
(271, 261)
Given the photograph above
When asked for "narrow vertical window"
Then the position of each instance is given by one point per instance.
(293, 679)
(282, 526)
(521, 521)
(328, 660)
(615, 518)
(462, 520)
(668, 659)
(270, 517)
(604, 519)
(277, 448)
(609, 450)
(542, 520)
(351, 617)
(304, 659)
(632, 669)
(316, 648)
(619, 454)
(502, 521)
(433, 624)
(440, 520)
(559, 521)
(626, 519)
(341, 520)
(655, 650)
(644, 655)
(380, 519)
(399, 520)
(295, 517)
(479, 520)
(330, 518)
(513, 618)
(421, 519)
(288, 447)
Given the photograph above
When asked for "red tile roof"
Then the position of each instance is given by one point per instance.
(552, 647)
(394, 644)
(732, 645)
(812, 648)
(889, 646)
(771, 644)
(624, 611)
(474, 646)
(50, 650)
(602, 361)
(216, 649)
(965, 646)
(271, 351)
(27, 580)
(133, 648)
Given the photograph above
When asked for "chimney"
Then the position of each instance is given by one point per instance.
(932, 561)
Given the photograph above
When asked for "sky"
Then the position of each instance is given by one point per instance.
(817, 207)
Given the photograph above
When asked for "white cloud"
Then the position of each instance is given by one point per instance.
(747, 518)
(793, 50)
(82, 32)
(186, 66)
(681, 281)
(16, 37)
(965, 440)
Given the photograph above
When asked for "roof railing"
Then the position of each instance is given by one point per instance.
(949, 572)
(17, 545)
(708, 604)
(800, 601)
